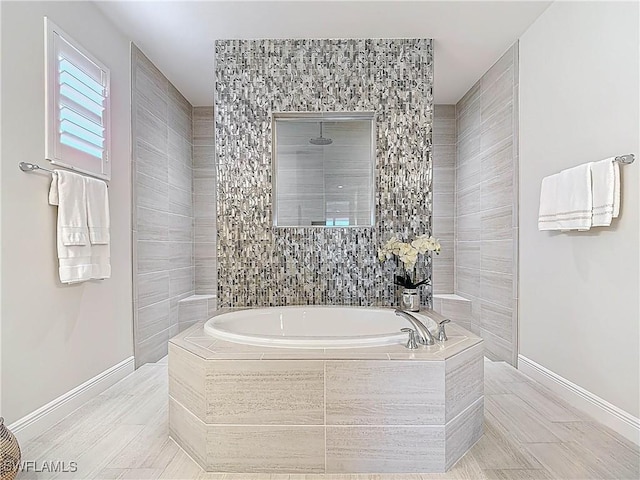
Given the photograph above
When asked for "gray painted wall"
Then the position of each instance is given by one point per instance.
(579, 310)
(56, 337)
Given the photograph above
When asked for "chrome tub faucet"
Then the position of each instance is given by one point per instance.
(424, 335)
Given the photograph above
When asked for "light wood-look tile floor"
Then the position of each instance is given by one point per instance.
(529, 434)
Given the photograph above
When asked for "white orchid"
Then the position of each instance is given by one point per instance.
(408, 254)
(389, 249)
(392, 246)
(425, 244)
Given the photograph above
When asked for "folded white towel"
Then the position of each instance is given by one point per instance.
(566, 200)
(100, 262)
(68, 193)
(98, 222)
(605, 177)
(75, 264)
(74, 250)
(97, 211)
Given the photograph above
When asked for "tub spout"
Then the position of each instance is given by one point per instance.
(424, 335)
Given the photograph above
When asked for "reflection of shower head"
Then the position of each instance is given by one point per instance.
(320, 140)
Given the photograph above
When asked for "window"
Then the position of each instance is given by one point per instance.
(77, 108)
(323, 169)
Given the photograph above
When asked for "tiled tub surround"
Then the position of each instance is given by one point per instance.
(486, 229)
(240, 408)
(259, 265)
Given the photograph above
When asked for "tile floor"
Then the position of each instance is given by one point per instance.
(529, 434)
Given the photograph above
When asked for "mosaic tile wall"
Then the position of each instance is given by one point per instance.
(260, 265)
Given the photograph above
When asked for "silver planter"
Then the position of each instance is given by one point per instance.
(410, 300)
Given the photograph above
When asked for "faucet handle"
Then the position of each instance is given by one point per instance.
(411, 344)
(442, 335)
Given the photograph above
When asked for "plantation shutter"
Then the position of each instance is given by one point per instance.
(78, 107)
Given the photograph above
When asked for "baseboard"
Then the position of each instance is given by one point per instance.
(47, 416)
(613, 417)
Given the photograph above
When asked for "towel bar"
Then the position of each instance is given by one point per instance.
(31, 167)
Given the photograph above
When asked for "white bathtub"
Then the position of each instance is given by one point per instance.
(312, 327)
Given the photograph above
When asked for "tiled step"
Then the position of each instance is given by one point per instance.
(196, 308)
(455, 307)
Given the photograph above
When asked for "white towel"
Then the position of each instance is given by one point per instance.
(97, 211)
(98, 223)
(100, 262)
(566, 200)
(68, 193)
(605, 176)
(74, 250)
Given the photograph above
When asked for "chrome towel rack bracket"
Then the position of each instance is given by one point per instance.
(625, 159)
(30, 167)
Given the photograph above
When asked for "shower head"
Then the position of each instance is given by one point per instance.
(320, 140)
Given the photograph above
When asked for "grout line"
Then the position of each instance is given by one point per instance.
(150, 239)
(324, 382)
(156, 181)
(164, 211)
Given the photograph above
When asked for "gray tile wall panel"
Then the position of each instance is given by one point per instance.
(163, 217)
(486, 205)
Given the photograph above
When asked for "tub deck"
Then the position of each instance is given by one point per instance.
(241, 408)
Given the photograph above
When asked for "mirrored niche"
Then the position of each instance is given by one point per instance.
(323, 169)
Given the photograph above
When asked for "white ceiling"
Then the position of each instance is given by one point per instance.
(178, 36)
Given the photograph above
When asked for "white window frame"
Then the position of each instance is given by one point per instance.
(55, 151)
